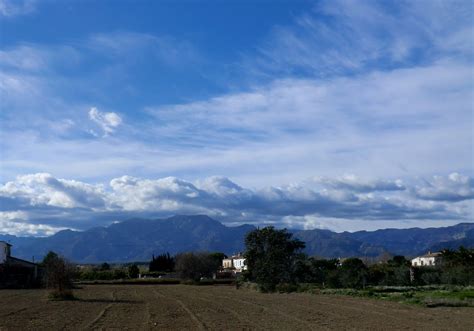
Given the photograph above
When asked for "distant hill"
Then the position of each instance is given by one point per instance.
(138, 239)
(415, 241)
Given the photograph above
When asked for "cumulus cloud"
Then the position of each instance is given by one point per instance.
(454, 187)
(37, 197)
(44, 189)
(107, 121)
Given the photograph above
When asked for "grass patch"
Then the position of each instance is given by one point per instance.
(430, 296)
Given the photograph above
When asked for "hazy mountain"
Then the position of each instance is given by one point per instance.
(325, 243)
(415, 240)
(138, 239)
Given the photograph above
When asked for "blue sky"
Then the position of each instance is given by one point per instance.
(344, 115)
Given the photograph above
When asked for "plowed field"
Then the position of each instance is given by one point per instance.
(187, 307)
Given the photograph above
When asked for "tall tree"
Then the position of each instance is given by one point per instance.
(271, 257)
(58, 276)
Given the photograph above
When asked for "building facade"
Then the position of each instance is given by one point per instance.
(5, 251)
(427, 260)
(236, 263)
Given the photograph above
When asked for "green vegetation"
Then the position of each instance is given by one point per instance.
(162, 263)
(430, 296)
(275, 263)
(195, 266)
(91, 273)
(272, 257)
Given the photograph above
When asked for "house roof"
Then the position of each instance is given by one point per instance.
(1, 241)
(17, 260)
(430, 254)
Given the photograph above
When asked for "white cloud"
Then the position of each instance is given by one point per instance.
(399, 114)
(16, 223)
(454, 187)
(383, 124)
(12, 8)
(37, 58)
(39, 197)
(342, 36)
(43, 189)
(107, 121)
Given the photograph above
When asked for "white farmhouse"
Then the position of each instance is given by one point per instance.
(429, 259)
(239, 264)
(235, 262)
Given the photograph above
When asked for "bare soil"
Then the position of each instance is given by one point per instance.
(184, 307)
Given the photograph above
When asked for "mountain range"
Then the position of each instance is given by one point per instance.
(139, 239)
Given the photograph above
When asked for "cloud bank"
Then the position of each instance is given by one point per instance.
(40, 204)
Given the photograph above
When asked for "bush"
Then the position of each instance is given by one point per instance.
(286, 288)
(133, 271)
(353, 273)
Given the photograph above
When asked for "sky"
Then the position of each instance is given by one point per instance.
(342, 115)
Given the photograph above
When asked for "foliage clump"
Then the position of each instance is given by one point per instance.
(195, 266)
(162, 263)
(272, 257)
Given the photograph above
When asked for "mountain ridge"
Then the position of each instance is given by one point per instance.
(138, 239)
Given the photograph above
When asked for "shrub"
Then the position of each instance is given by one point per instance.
(133, 271)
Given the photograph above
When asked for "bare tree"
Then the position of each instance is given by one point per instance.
(58, 275)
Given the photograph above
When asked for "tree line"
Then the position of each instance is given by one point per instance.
(276, 261)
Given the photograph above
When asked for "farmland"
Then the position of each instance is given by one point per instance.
(215, 307)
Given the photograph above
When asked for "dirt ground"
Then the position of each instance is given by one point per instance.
(187, 307)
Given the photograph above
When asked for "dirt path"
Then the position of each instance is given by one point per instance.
(179, 307)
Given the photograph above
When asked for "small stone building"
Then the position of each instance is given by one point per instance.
(16, 272)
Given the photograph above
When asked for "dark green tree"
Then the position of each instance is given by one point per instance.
(194, 266)
(133, 271)
(457, 266)
(162, 263)
(271, 257)
(217, 258)
(353, 273)
(104, 266)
